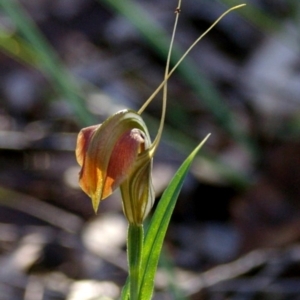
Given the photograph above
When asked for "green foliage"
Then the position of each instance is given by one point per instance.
(39, 53)
(157, 229)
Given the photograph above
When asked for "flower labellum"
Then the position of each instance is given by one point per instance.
(111, 155)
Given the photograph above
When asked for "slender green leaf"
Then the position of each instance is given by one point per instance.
(159, 224)
(48, 59)
(125, 290)
(17, 48)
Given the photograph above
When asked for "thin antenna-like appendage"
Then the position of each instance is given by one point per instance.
(165, 87)
(147, 102)
(168, 75)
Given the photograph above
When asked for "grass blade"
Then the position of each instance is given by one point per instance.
(159, 224)
(48, 60)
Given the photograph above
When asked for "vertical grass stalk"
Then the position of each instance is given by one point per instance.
(134, 252)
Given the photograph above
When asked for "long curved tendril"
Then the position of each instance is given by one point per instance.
(168, 74)
(165, 86)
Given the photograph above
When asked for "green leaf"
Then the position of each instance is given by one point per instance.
(46, 59)
(125, 290)
(159, 225)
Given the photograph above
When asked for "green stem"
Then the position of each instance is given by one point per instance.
(134, 252)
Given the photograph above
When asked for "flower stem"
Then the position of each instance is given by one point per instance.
(134, 252)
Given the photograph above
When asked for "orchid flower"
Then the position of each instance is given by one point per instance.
(115, 154)
(119, 152)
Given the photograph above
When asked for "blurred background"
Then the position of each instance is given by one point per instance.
(67, 64)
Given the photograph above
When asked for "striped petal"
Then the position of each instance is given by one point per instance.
(108, 153)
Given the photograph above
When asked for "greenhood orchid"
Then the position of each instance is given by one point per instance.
(119, 152)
